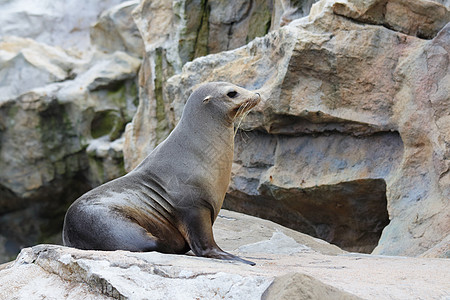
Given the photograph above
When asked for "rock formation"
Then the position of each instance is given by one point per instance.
(289, 265)
(352, 142)
(56, 23)
(62, 115)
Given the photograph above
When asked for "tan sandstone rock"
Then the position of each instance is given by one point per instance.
(420, 18)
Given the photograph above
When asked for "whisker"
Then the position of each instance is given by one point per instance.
(244, 136)
(241, 118)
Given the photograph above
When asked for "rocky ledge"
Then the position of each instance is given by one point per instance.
(289, 265)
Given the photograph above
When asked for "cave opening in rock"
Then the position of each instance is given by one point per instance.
(350, 215)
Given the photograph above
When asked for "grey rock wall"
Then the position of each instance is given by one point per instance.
(62, 115)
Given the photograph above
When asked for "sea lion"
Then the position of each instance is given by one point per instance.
(170, 201)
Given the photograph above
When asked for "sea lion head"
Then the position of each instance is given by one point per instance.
(223, 100)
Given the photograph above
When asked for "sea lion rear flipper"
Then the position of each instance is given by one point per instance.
(200, 237)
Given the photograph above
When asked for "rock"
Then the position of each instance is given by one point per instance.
(446, 3)
(50, 22)
(39, 65)
(286, 11)
(248, 234)
(115, 30)
(62, 111)
(350, 142)
(54, 271)
(53, 121)
(278, 243)
(442, 249)
(420, 18)
(40, 283)
(47, 120)
(229, 23)
(301, 286)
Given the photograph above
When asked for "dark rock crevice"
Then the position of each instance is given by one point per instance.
(38, 219)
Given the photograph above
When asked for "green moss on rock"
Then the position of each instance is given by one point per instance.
(260, 20)
(194, 10)
(163, 70)
(201, 43)
(118, 95)
(109, 122)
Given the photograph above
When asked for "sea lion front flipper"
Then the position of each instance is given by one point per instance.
(200, 237)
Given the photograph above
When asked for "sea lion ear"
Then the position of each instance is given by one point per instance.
(207, 98)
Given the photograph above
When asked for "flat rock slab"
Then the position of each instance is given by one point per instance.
(285, 269)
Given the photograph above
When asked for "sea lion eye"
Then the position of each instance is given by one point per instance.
(232, 94)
